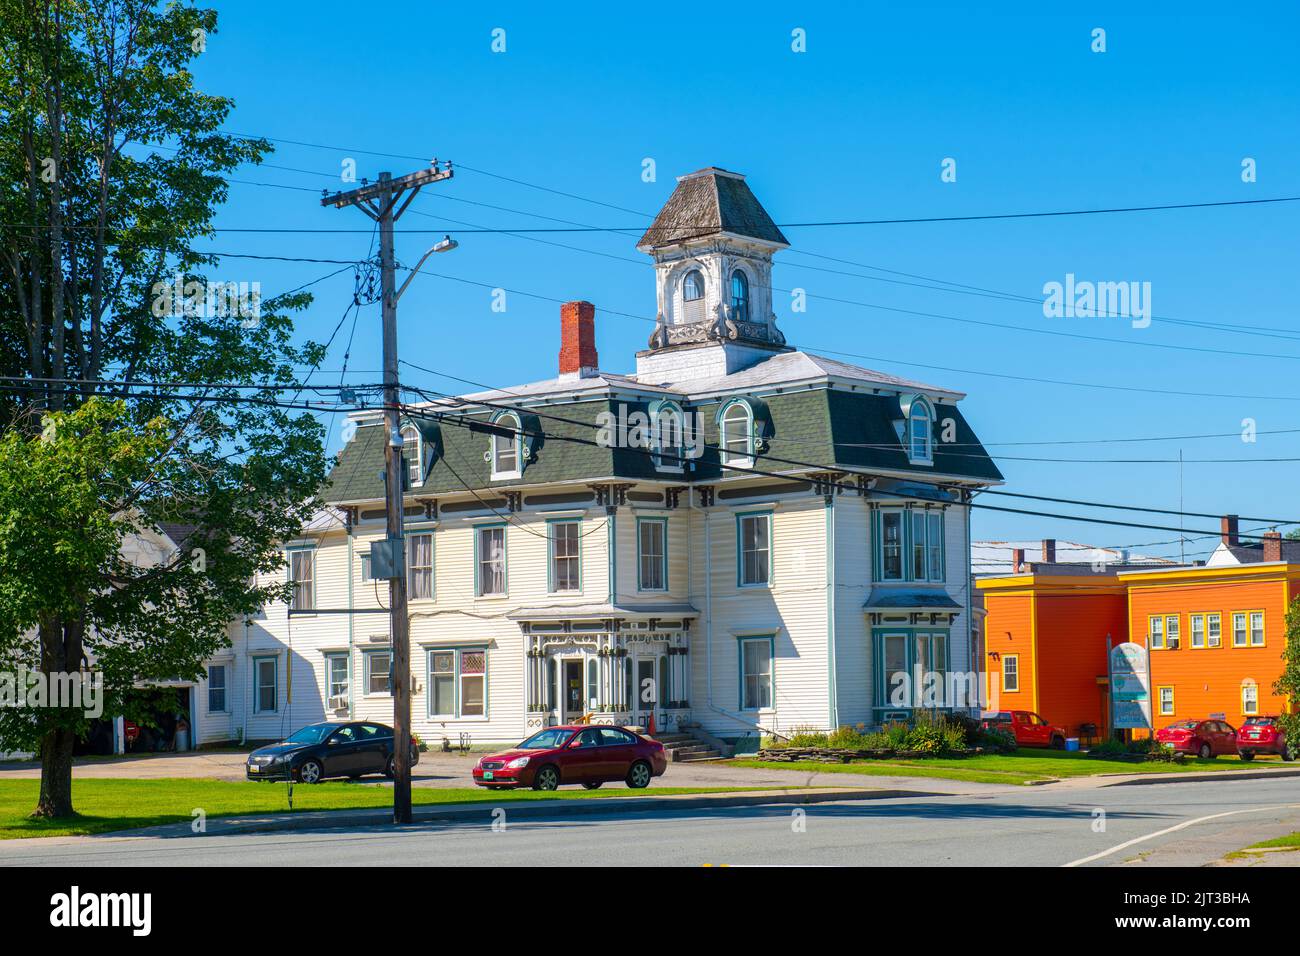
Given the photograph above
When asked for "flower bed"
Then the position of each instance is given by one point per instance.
(842, 755)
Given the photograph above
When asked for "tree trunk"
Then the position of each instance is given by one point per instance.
(61, 650)
(56, 775)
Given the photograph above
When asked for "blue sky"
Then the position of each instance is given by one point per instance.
(854, 128)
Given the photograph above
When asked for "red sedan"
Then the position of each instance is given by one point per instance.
(586, 755)
(1262, 735)
(1202, 738)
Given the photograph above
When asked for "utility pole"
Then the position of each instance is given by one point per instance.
(380, 201)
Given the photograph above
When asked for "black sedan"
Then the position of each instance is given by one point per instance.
(328, 750)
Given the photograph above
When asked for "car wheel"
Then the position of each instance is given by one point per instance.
(390, 768)
(593, 784)
(639, 776)
(1247, 755)
(1058, 743)
(548, 778)
(1206, 752)
(1286, 753)
(311, 772)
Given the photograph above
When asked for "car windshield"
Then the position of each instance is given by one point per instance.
(546, 740)
(1182, 725)
(312, 734)
(1259, 721)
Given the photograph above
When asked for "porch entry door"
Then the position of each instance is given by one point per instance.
(645, 696)
(572, 687)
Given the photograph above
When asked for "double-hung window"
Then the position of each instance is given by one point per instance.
(1010, 673)
(737, 435)
(934, 524)
(491, 557)
(920, 550)
(379, 667)
(442, 683)
(565, 562)
(652, 554)
(1214, 629)
(890, 551)
(1197, 622)
(1156, 631)
(755, 549)
(216, 688)
(302, 574)
(419, 565)
(1172, 631)
(337, 678)
(457, 682)
(1256, 628)
(1166, 701)
(756, 673)
(266, 692)
(1239, 629)
(1249, 698)
(473, 683)
(507, 445)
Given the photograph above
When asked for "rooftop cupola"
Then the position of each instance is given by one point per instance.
(712, 244)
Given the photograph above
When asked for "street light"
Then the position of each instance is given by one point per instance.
(445, 244)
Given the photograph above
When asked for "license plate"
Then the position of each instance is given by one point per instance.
(253, 768)
(487, 774)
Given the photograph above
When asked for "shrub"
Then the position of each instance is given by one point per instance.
(1109, 748)
(806, 737)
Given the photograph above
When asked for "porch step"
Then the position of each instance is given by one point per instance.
(694, 755)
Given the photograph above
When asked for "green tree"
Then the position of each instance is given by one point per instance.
(118, 164)
(1288, 685)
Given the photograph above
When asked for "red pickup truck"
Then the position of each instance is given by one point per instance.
(1029, 729)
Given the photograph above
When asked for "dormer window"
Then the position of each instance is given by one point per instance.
(920, 421)
(668, 439)
(506, 452)
(693, 296)
(739, 296)
(413, 453)
(737, 428)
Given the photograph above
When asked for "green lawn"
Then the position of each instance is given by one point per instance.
(1023, 766)
(106, 805)
(1289, 842)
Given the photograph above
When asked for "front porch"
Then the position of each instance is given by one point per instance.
(625, 665)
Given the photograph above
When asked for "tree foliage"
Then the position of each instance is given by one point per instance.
(112, 165)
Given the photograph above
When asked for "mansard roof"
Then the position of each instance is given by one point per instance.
(711, 202)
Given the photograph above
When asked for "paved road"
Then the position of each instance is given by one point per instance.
(1035, 826)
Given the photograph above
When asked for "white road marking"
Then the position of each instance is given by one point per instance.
(1181, 826)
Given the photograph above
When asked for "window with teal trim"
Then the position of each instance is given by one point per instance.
(565, 537)
(652, 554)
(756, 673)
(755, 549)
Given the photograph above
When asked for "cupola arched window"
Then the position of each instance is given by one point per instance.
(506, 449)
(737, 429)
(739, 296)
(693, 296)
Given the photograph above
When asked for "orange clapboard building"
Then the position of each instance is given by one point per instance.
(1045, 635)
(1217, 631)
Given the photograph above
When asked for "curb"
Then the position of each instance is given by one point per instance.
(483, 811)
(1205, 777)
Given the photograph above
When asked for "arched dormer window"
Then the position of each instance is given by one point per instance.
(739, 296)
(668, 438)
(413, 453)
(693, 296)
(507, 449)
(920, 431)
(736, 431)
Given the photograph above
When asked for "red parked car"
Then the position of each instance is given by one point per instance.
(1261, 735)
(586, 755)
(1202, 738)
(1029, 729)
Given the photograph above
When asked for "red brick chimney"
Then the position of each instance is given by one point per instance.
(1017, 559)
(1049, 550)
(1228, 530)
(578, 339)
(1272, 546)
